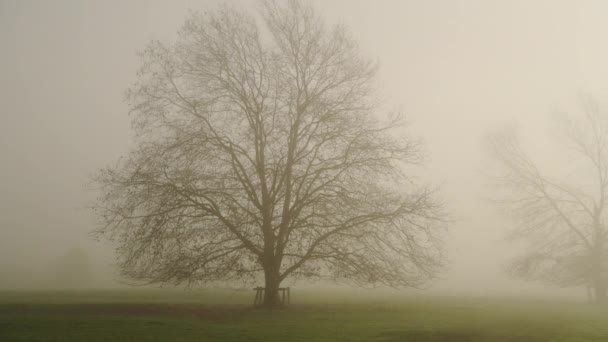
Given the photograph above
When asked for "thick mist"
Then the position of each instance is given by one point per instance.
(458, 70)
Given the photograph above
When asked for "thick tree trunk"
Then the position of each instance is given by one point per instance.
(271, 292)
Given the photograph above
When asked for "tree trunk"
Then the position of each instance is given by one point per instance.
(599, 288)
(599, 282)
(589, 290)
(271, 292)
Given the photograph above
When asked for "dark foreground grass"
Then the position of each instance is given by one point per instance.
(154, 315)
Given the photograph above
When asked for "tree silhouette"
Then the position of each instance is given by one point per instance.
(564, 220)
(258, 152)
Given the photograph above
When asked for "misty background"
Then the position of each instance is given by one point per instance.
(457, 69)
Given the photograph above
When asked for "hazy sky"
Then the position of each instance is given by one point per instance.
(458, 69)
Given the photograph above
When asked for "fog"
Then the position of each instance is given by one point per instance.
(457, 69)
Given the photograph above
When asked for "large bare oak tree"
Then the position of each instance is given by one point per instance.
(563, 219)
(259, 152)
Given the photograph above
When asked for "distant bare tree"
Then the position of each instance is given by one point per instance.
(564, 220)
(73, 269)
(258, 153)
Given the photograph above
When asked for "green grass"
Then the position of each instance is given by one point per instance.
(223, 315)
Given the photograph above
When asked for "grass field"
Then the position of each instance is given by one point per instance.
(225, 315)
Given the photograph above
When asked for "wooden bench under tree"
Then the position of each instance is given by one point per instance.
(284, 296)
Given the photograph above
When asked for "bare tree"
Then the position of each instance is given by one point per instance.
(564, 220)
(258, 152)
(74, 269)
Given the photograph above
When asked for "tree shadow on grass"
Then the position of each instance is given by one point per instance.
(452, 336)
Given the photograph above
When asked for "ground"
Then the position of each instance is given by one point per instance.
(227, 315)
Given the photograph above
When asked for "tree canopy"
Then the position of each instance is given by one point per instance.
(563, 218)
(260, 151)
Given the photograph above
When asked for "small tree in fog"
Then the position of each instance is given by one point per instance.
(258, 153)
(564, 220)
(73, 269)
